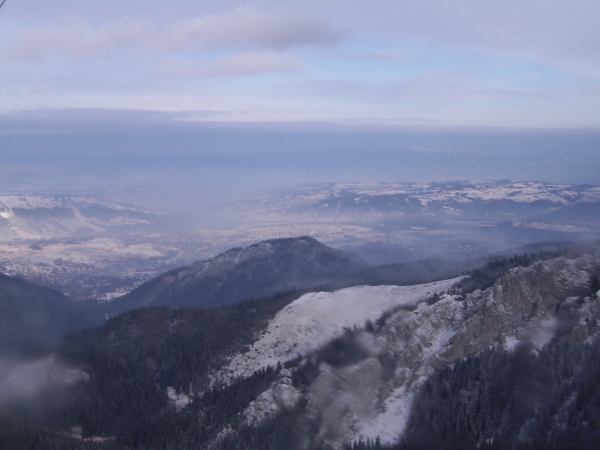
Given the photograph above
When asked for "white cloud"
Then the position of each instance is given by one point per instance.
(245, 63)
(557, 30)
(247, 27)
(72, 41)
(251, 63)
(240, 29)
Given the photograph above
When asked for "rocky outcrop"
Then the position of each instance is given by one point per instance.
(371, 396)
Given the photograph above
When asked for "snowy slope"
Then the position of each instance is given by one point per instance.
(314, 319)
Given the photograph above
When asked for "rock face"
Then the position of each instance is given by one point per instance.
(259, 270)
(369, 391)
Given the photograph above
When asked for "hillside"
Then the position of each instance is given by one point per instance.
(505, 366)
(33, 319)
(258, 270)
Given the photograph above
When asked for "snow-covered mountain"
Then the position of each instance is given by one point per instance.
(457, 201)
(46, 217)
(506, 357)
(366, 380)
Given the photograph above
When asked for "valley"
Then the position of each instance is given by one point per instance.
(92, 248)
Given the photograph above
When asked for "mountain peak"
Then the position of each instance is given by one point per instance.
(258, 270)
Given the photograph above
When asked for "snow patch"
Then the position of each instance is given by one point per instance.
(281, 396)
(179, 400)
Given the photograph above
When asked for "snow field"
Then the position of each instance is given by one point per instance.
(313, 320)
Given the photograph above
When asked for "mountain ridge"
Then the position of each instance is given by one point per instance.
(62, 216)
(258, 270)
(372, 379)
(356, 368)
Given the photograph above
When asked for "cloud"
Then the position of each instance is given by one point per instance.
(240, 29)
(441, 86)
(551, 31)
(465, 61)
(178, 68)
(246, 63)
(251, 63)
(72, 41)
(252, 28)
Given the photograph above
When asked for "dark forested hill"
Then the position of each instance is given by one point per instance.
(259, 270)
(136, 357)
(33, 318)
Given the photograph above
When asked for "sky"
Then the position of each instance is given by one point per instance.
(163, 102)
(532, 63)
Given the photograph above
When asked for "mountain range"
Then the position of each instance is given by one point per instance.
(490, 202)
(504, 356)
(90, 248)
(403, 222)
(51, 217)
(362, 366)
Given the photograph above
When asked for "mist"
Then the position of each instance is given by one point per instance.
(158, 161)
(31, 388)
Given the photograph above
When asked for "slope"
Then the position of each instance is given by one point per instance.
(381, 382)
(259, 270)
(509, 355)
(33, 319)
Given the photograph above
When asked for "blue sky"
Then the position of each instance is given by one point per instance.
(417, 63)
